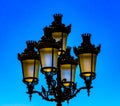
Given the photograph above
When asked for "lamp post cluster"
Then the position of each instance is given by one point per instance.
(52, 57)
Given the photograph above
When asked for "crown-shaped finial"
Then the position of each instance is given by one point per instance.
(86, 37)
(58, 18)
(47, 31)
(29, 52)
(30, 44)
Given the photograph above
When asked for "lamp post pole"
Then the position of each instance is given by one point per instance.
(54, 59)
(59, 85)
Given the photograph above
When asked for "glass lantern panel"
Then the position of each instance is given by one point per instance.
(28, 69)
(94, 62)
(67, 74)
(58, 36)
(49, 57)
(87, 63)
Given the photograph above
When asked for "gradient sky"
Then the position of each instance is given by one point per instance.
(22, 20)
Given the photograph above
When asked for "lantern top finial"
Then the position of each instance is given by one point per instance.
(58, 18)
(86, 37)
(47, 31)
(30, 44)
(86, 46)
(58, 26)
(29, 52)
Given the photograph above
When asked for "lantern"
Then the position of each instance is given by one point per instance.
(67, 68)
(48, 49)
(87, 55)
(30, 64)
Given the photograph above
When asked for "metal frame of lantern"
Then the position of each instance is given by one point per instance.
(48, 49)
(30, 66)
(87, 55)
(67, 66)
(60, 88)
(27, 57)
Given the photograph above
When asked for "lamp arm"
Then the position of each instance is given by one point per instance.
(77, 91)
(44, 97)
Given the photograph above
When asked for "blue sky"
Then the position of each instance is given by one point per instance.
(22, 20)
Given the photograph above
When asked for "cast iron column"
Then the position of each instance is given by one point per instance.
(59, 84)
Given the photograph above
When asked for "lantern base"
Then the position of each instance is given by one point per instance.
(68, 84)
(30, 90)
(30, 80)
(49, 70)
(85, 75)
(88, 83)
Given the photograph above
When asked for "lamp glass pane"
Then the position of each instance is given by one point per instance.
(67, 74)
(28, 69)
(87, 63)
(58, 36)
(94, 62)
(49, 57)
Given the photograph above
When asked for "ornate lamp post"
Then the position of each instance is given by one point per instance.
(54, 59)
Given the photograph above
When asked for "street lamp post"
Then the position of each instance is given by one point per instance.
(52, 57)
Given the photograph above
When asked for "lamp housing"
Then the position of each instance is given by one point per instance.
(30, 63)
(87, 55)
(48, 49)
(67, 68)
